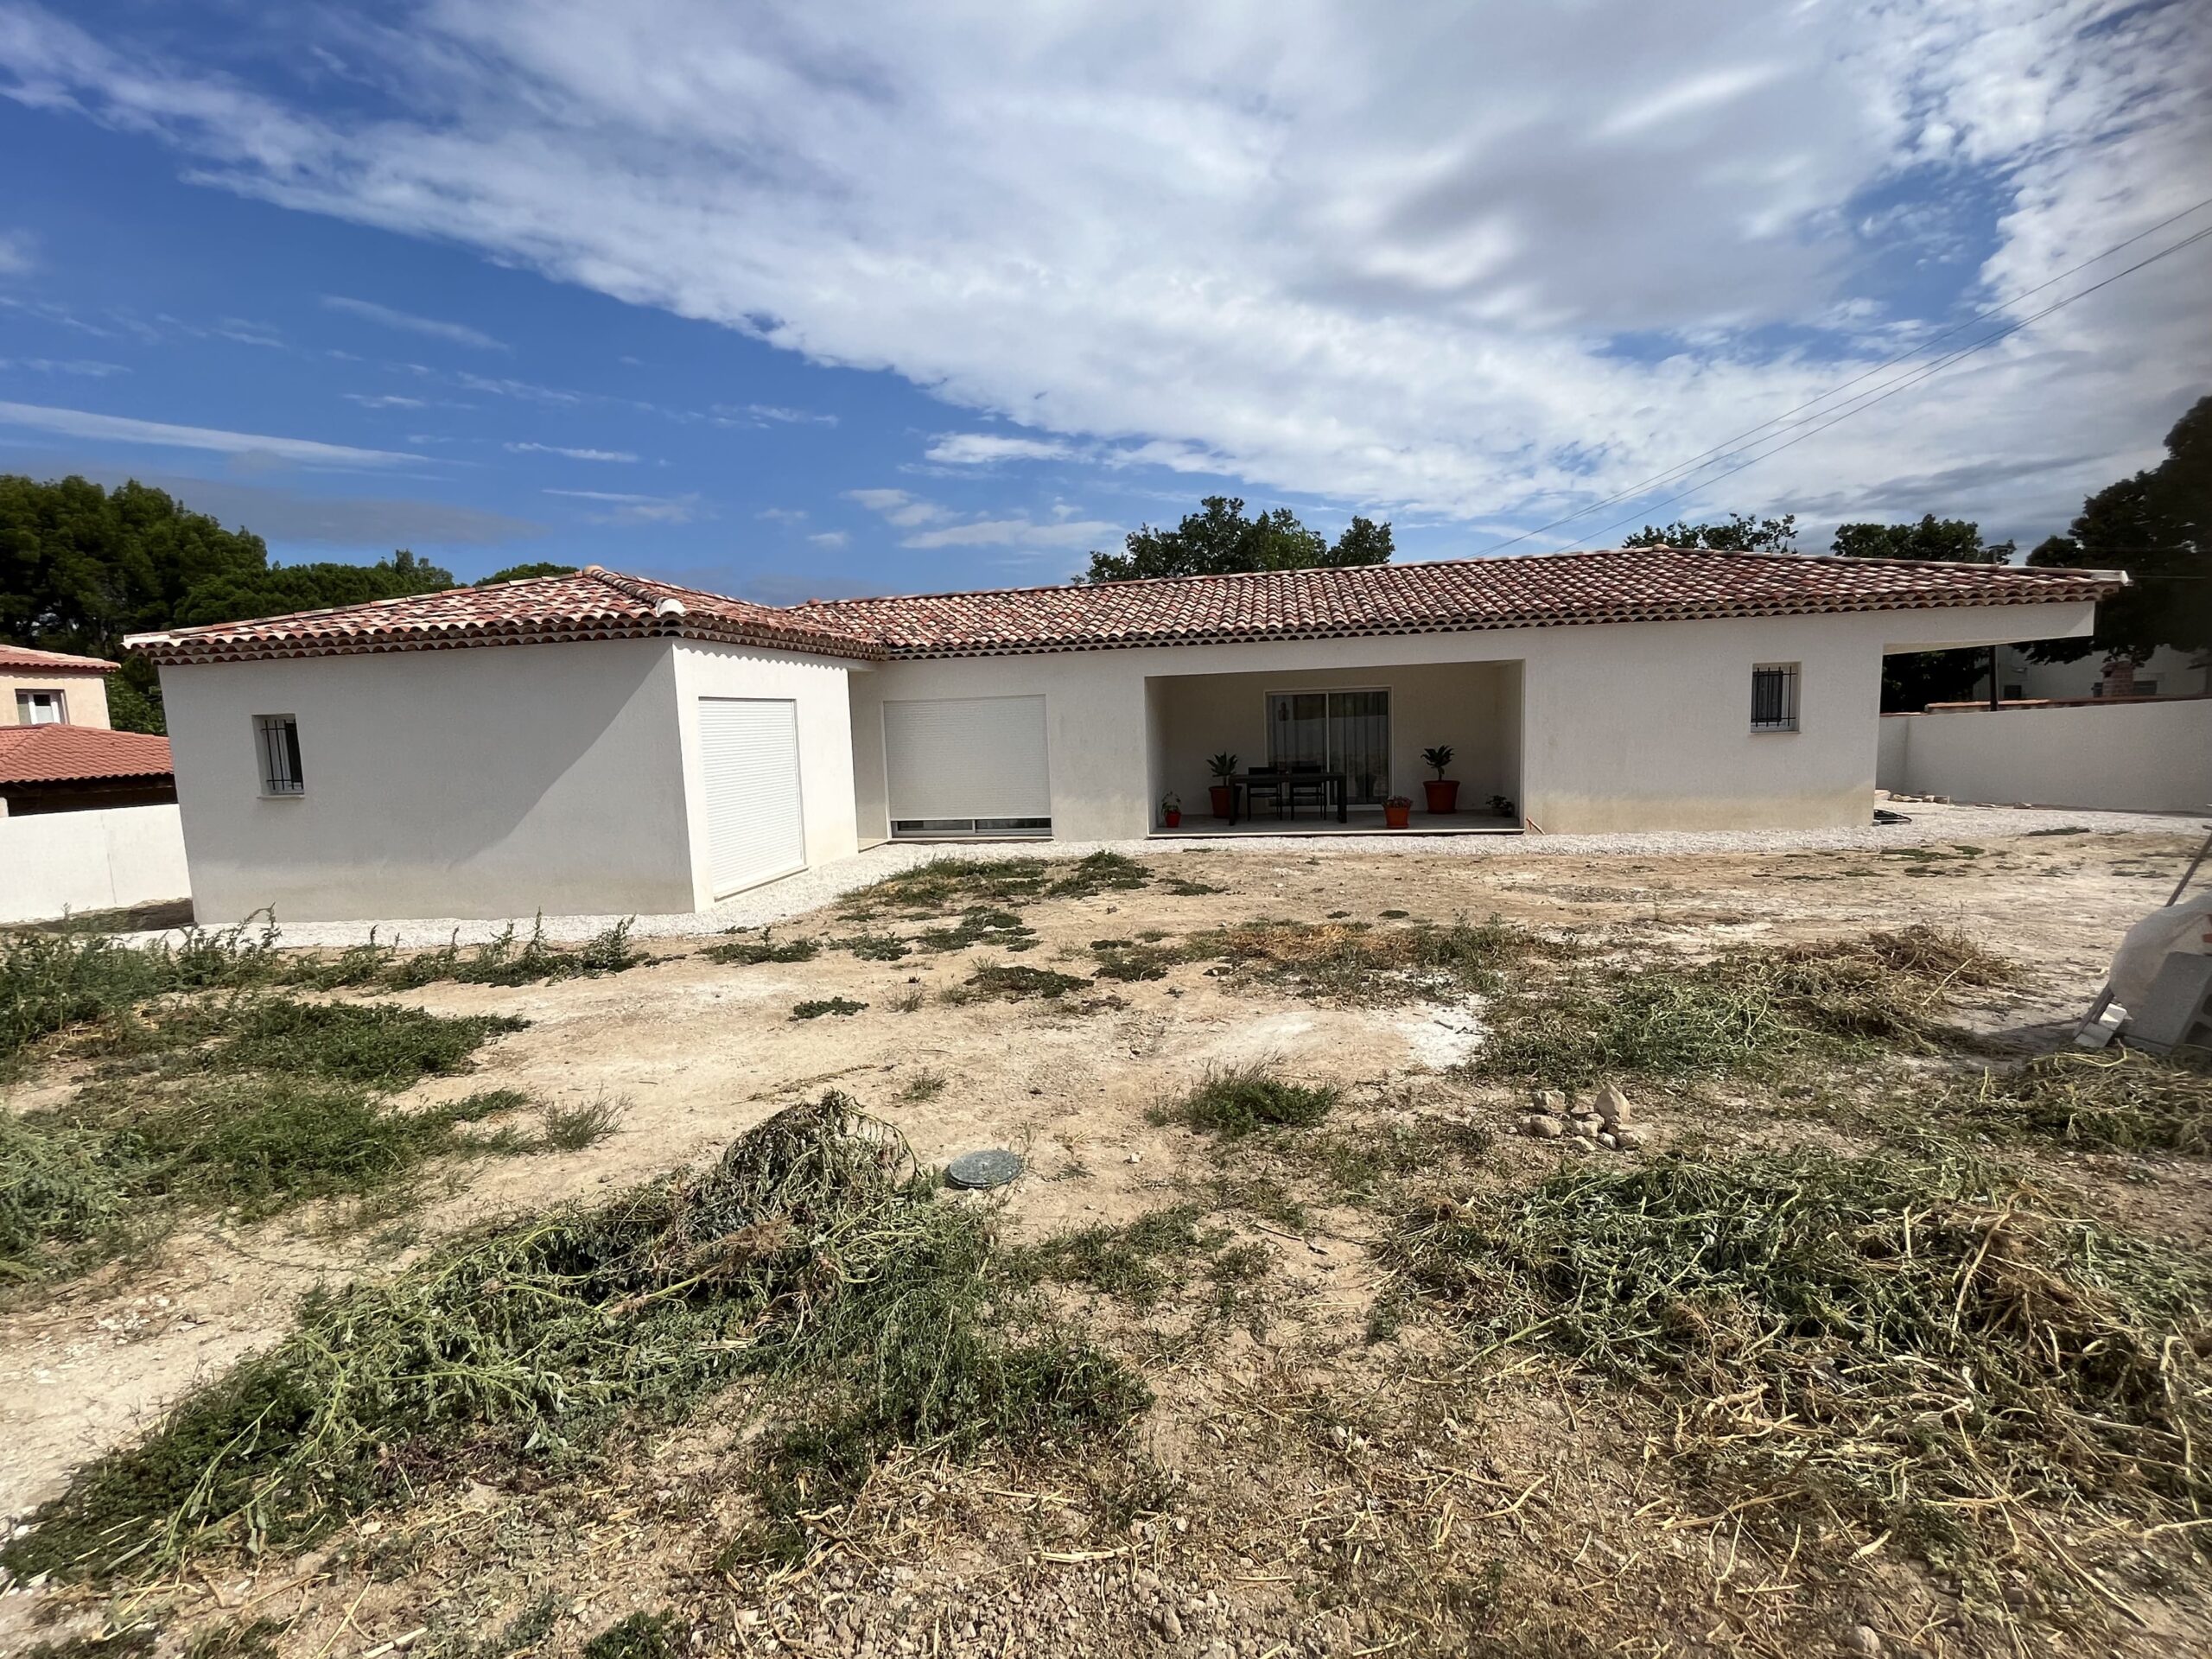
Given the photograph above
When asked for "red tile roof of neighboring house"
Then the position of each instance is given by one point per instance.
(591, 604)
(54, 661)
(63, 754)
(1541, 590)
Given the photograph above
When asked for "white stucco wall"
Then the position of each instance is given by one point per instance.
(1623, 725)
(53, 862)
(817, 686)
(2122, 757)
(2174, 673)
(83, 694)
(491, 782)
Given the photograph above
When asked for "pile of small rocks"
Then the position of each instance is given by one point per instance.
(1605, 1121)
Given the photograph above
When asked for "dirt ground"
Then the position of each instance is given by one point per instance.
(1287, 1459)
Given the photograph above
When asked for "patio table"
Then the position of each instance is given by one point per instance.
(1241, 784)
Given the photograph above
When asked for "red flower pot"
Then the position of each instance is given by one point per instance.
(1443, 794)
(1398, 817)
(1173, 816)
(1220, 795)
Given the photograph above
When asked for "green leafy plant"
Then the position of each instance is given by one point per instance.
(1437, 758)
(1223, 766)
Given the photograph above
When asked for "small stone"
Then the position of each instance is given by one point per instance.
(1611, 1105)
(1171, 1625)
(1543, 1128)
(1554, 1101)
(1863, 1639)
(1629, 1140)
(1584, 1142)
(1607, 1141)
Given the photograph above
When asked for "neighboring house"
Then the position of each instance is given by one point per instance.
(57, 752)
(81, 769)
(2168, 673)
(49, 687)
(605, 744)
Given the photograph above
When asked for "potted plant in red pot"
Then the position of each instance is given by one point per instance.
(1223, 767)
(1443, 792)
(1170, 809)
(1398, 812)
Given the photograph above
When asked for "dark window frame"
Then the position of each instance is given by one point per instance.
(277, 748)
(1774, 696)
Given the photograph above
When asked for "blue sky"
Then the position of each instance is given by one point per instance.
(882, 302)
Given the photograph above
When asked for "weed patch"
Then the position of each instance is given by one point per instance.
(500, 961)
(385, 1044)
(752, 952)
(1354, 963)
(2119, 1100)
(815, 1007)
(52, 981)
(1741, 1013)
(1918, 1345)
(810, 1258)
(1007, 981)
(572, 1128)
(1142, 1263)
(1238, 1100)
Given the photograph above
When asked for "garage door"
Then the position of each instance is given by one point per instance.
(748, 749)
(968, 766)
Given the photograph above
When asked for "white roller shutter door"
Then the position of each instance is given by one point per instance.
(967, 758)
(748, 752)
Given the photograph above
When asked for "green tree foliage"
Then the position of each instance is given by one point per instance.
(523, 572)
(1738, 535)
(1219, 539)
(1913, 680)
(2157, 527)
(81, 567)
(281, 589)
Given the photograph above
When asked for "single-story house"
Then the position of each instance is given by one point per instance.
(604, 743)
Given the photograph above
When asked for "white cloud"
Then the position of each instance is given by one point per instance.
(18, 253)
(830, 538)
(458, 333)
(619, 508)
(116, 429)
(982, 448)
(1398, 255)
(900, 508)
(782, 515)
(569, 454)
(384, 400)
(934, 524)
(90, 367)
(769, 413)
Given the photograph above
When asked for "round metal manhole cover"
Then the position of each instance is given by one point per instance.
(995, 1167)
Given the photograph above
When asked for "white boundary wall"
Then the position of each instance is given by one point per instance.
(55, 862)
(2124, 757)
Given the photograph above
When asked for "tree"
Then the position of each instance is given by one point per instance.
(1739, 535)
(523, 572)
(283, 589)
(2157, 527)
(81, 567)
(1219, 539)
(1913, 680)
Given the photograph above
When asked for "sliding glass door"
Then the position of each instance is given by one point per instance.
(1333, 731)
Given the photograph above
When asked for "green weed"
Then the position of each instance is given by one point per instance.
(1235, 1100)
(2120, 1100)
(765, 949)
(811, 1258)
(1011, 982)
(815, 1007)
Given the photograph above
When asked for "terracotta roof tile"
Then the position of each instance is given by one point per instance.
(1541, 590)
(56, 754)
(57, 662)
(592, 604)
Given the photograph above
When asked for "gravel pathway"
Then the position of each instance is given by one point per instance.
(811, 889)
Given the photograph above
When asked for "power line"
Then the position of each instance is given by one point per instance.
(1682, 469)
(1904, 383)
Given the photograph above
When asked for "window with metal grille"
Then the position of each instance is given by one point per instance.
(1773, 697)
(277, 737)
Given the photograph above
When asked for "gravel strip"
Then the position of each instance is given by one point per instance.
(795, 895)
